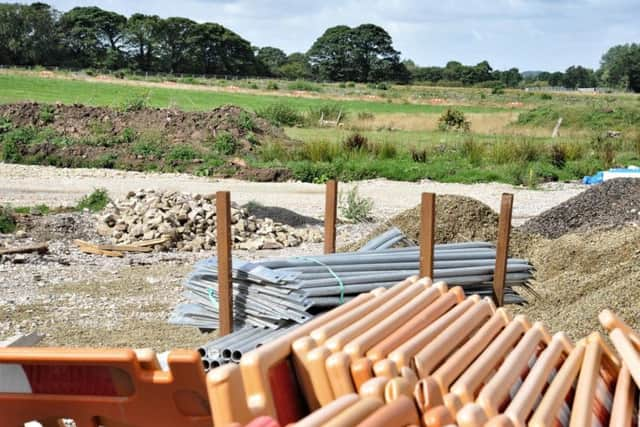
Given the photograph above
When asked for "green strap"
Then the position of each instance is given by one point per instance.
(212, 298)
(333, 273)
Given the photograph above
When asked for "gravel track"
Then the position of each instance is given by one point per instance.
(30, 185)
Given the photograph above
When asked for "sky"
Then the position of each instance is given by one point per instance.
(548, 35)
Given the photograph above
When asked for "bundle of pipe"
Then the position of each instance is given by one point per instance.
(230, 348)
(276, 292)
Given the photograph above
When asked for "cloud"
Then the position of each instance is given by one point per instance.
(529, 34)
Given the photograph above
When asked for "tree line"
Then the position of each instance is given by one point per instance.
(91, 37)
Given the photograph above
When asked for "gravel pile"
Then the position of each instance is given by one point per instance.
(458, 219)
(611, 203)
(580, 274)
(188, 221)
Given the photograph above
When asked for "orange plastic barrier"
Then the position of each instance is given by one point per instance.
(101, 387)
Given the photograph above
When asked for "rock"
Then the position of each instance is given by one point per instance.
(271, 244)
(136, 231)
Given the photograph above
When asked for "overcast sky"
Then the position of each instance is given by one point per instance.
(528, 34)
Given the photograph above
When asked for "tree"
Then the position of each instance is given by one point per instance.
(270, 59)
(296, 67)
(174, 34)
(556, 79)
(578, 76)
(28, 34)
(511, 77)
(142, 34)
(364, 53)
(329, 55)
(620, 67)
(92, 37)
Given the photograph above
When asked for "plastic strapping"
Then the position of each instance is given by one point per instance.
(333, 273)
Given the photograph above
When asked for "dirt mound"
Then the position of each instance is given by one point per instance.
(458, 219)
(174, 126)
(580, 274)
(60, 226)
(614, 202)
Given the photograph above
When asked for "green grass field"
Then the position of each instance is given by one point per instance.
(400, 139)
(20, 87)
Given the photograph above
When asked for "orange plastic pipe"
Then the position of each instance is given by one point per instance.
(374, 388)
(472, 415)
(421, 320)
(628, 353)
(399, 413)
(356, 413)
(402, 355)
(431, 356)
(397, 387)
(449, 371)
(327, 413)
(624, 400)
(337, 366)
(361, 372)
(610, 321)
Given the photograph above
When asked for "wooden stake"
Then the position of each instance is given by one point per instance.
(427, 234)
(502, 249)
(330, 213)
(223, 247)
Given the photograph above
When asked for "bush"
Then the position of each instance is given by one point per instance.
(281, 114)
(95, 201)
(46, 115)
(304, 85)
(498, 89)
(136, 102)
(365, 115)
(225, 144)
(472, 150)
(319, 151)
(128, 135)
(106, 161)
(329, 111)
(356, 142)
(354, 207)
(385, 150)
(605, 148)
(245, 122)
(181, 153)
(419, 155)
(546, 96)
(272, 86)
(7, 220)
(273, 151)
(453, 120)
(5, 125)
(558, 156)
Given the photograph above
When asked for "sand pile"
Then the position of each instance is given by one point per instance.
(614, 202)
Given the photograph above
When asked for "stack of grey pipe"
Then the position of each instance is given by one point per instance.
(230, 348)
(274, 293)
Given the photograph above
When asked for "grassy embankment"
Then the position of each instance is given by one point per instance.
(508, 139)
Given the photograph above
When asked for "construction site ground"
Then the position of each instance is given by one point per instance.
(77, 299)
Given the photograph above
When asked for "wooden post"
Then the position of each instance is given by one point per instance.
(330, 213)
(502, 249)
(223, 247)
(427, 234)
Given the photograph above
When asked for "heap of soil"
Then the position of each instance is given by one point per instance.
(580, 274)
(458, 219)
(178, 127)
(614, 202)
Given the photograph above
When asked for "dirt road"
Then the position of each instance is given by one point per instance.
(31, 185)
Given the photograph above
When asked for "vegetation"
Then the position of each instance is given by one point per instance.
(354, 207)
(94, 202)
(453, 120)
(7, 220)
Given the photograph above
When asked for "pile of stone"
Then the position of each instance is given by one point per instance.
(188, 222)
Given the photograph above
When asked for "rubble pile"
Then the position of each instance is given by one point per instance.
(188, 222)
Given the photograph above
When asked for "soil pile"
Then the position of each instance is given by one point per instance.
(174, 126)
(458, 219)
(580, 274)
(188, 222)
(614, 202)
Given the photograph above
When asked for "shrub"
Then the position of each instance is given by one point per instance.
(319, 151)
(46, 115)
(5, 125)
(304, 85)
(272, 86)
(498, 89)
(273, 151)
(355, 207)
(136, 102)
(7, 220)
(225, 144)
(245, 121)
(253, 86)
(605, 148)
(453, 120)
(128, 135)
(472, 150)
(106, 161)
(385, 150)
(351, 84)
(356, 142)
(546, 96)
(281, 114)
(558, 156)
(95, 202)
(365, 115)
(181, 153)
(419, 155)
